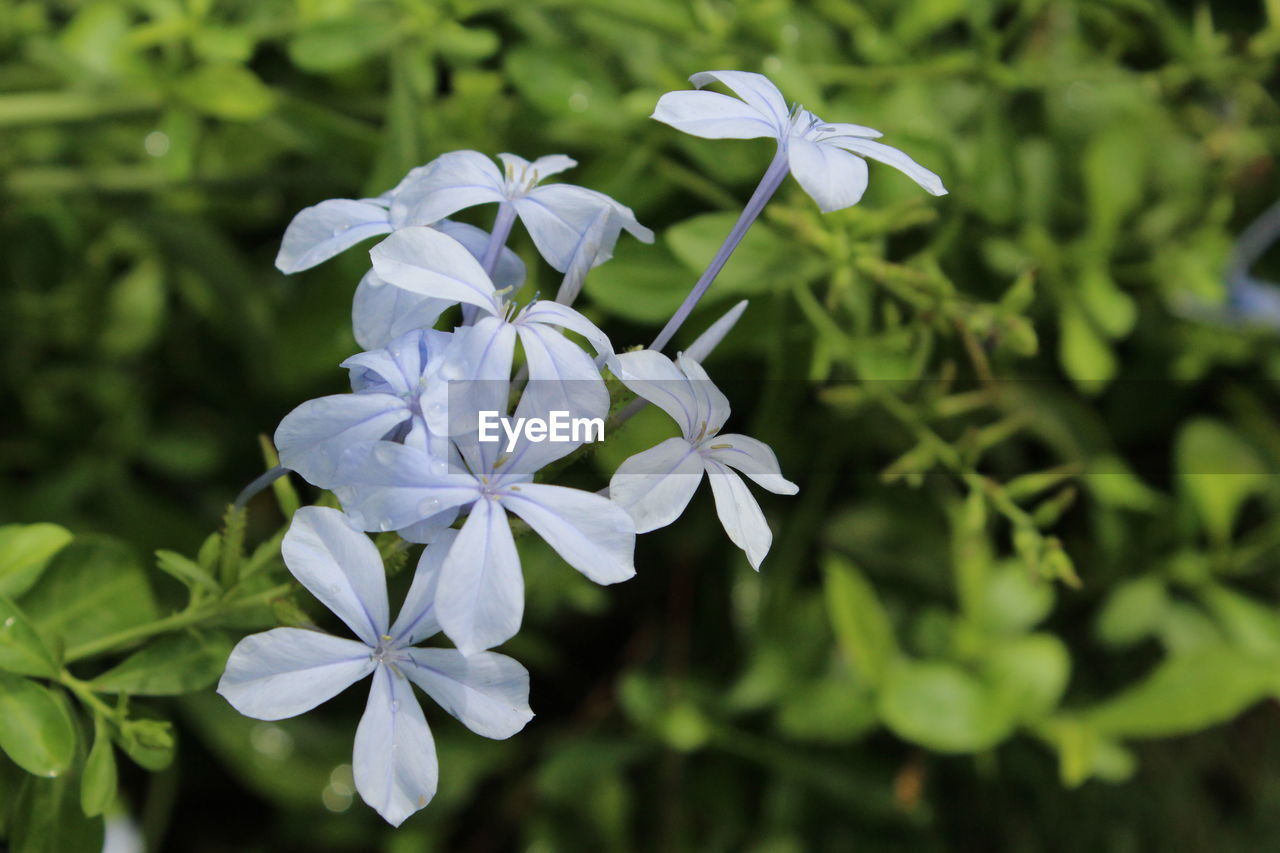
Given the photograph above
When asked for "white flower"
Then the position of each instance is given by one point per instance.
(557, 216)
(287, 671)
(825, 157)
(655, 486)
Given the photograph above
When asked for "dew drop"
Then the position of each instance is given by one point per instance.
(395, 707)
(384, 454)
(428, 506)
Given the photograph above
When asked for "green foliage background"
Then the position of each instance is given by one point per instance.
(1026, 598)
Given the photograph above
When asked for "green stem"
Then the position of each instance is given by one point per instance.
(85, 694)
(183, 619)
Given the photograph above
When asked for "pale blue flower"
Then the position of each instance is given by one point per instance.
(388, 486)
(556, 215)
(380, 314)
(287, 671)
(388, 385)
(656, 485)
(431, 264)
(827, 158)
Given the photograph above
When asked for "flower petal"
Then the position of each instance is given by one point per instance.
(893, 157)
(837, 128)
(480, 597)
(561, 376)
(756, 90)
(653, 376)
(323, 230)
(591, 532)
(381, 312)
(388, 486)
(429, 529)
(341, 567)
(418, 620)
(711, 115)
(312, 438)
(712, 405)
(655, 486)
(286, 671)
(394, 760)
(449, 183)
(510, 270)
(555, 314)
(557, 217)
(751, 457)
(487, 692)
(397, 368)
(834, 178)
(430, 262)
(540, 169)
(473, 376)
(739, 513)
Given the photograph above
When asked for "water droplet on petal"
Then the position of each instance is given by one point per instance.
(428, 506)
(384, 453)
(395, 707)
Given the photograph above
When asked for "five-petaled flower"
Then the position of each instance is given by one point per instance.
(557, 216)
(656, 485)
(287, 671)
(825, 157)
(429, 263)
(391, 486)
(389, 385)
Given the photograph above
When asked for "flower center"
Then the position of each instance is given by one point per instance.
(520, 182)
(387, 651)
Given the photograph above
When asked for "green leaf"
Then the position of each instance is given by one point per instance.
(98, 780)
(763, 261)
(25, 551)
(1218, 471)
(1249, 624)
(1186, 693)
(21, 649)
(1085, 355)
(1083, 753)
(35, 729)
(1014, 600)
(48, 819)
(338, 43)
(830, 710)
(170, 666)
(94, 587)
(226, 91)
(1029, 674)
(639, 284)
(942, 707)
(1133, 611)
(185, 570)
(861, 625)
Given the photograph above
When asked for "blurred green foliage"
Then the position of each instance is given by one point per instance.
(1035, 545)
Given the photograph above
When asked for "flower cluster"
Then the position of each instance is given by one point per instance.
(447, 344)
